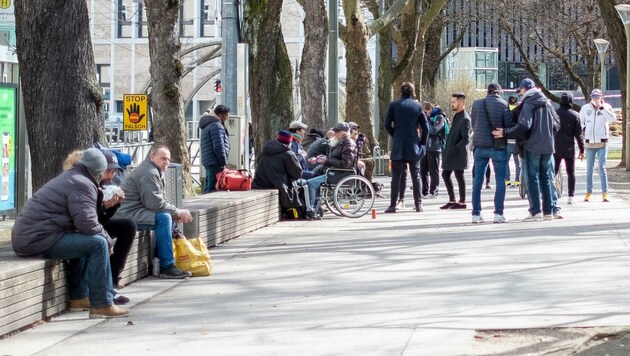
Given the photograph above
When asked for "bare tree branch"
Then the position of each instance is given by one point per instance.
(387, 17)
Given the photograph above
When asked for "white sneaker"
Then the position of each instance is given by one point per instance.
(548, 217)
(499, 219)
(400, 205)
(535, 217)
(477, 219)
(570, 201)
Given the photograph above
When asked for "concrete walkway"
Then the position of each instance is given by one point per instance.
(403, 284)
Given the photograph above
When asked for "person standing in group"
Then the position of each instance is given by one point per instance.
(408, 127)
(430, 163)
(596, 118)
(455, 153)
(538, 122)
(215, 144)
(570, 132)
(487, 114)
(512, 152)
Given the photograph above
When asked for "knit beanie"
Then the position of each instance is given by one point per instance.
(94, 160)
(284, 136)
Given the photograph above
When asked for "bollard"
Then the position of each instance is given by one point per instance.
(373, 213)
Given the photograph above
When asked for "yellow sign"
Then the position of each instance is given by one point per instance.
(135, 113)
(5, 4)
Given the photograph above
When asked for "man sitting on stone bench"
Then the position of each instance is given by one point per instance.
(145, 204)
(60, 221)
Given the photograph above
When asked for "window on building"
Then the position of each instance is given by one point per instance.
(142, 30)
(102, 73)
(123, 18)
(486, 59)
(120, 106)
(207, 22)
(186, 18)
(483, 77)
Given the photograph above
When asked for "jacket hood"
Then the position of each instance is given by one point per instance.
(566, 100)
(436, 111)
(274, 147)
(207, 119)
(535, 97)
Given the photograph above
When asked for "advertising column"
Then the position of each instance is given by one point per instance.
(8, 119)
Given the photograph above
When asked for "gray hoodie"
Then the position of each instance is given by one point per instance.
(537, 123)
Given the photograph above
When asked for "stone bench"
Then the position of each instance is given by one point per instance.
(33, 289)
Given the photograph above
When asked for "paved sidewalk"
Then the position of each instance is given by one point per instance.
(402, 284)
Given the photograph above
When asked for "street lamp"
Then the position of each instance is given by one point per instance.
(602, 46)
(624, 14)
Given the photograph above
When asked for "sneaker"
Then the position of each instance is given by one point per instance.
(508, 182)
(448, 205)
(78, 305)
(108, 312)
(499, 219)
(419, 208)
(477, 219)
(587, 197)
(172, 272)
(400, 205)
(535, 217)
(488, 186)
(458, 206)
(517, 183)
(390, 210)
(605, 198)
(557, 216)
(432, 195)
(570, 201)
(547, 217)
(120, 299)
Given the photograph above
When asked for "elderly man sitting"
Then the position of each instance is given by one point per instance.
(343, 153)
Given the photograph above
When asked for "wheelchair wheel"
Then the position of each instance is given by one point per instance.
(559, 184)
(353, 196)
(522, 188)
(326, 196)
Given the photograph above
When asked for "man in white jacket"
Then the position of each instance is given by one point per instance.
(595, 118)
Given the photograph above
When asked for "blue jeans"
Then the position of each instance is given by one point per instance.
(211, 177)
(538, 171)
(89, 272)
(590, 162)
(511, 152)
(163, 237)
(554, 191)
(499, 159)
(313, 186)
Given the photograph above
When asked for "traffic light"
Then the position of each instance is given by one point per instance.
(217, 86)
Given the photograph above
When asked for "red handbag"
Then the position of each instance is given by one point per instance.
(234, 179)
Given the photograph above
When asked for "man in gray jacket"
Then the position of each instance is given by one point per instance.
(145, 204)
(60, 221)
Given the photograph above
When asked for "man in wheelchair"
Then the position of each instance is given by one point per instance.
(342, 154)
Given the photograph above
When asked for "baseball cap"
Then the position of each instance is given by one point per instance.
(527, 84)
(342, 126)
(298, 125)
(353, 125)
(596, 93)
(112, 159)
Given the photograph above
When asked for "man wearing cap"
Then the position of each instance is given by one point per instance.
(409, 129)
(278, 168)
(343, 154)
(215, 144)
(60, 221)
(486, 115)
(596, 118)
(537, 124)
(298, 131)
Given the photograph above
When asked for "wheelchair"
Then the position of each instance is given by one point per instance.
(345, 193)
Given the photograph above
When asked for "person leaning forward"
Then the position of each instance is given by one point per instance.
(408, 127)
(60, 221)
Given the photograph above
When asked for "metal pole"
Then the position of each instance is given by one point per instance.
(229, 34)
(627, 132)
(602, 60)
(333, 63)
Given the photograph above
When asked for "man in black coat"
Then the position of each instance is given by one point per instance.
(570, 131)
(278, 168)
(408, 127)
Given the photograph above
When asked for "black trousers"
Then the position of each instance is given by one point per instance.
(124, 230)
(430, 168)
(569, 165)
(398, 168)
(461, 183)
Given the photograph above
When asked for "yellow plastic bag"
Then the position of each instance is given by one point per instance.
(192, 255)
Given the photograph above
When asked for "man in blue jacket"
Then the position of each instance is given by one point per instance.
(215, 144)
(408, 127)
(487, 114)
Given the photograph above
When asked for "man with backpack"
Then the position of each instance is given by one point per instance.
(430, 163)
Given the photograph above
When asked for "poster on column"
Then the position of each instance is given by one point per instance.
(8, 119)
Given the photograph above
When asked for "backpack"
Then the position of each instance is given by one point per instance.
(444, 131)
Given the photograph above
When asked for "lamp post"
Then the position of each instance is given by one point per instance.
(602, 46)
(624, 14)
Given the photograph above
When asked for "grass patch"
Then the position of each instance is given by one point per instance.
(614, 155)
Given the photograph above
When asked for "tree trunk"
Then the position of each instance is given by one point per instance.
(432, 59)
(62, 98)
(166, 72)
(270, 75)
(385, 80)
(313, 65)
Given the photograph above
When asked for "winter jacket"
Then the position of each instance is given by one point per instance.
(343, 155)
(596, 121)
(309, 139)
(537, 123)
(500, 117)
(319, 147)
(436, 124)
(455, 154)
(296, 147)
(144, 195)
(404, 118)
(278, 168)
(214, 140)
(66, 204)
(570, 128)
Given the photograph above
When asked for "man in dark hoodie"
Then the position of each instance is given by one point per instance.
(570, 132)
(537, 123)
(430, 163)
(278, 168)
(215, 144)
